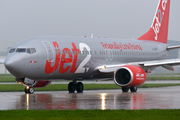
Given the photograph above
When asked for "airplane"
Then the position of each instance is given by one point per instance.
(36, 62)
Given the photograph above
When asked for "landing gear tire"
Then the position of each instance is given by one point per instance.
(25, 90)
(125, 89)
(80, 87)
(71, 87)
(29, 90)
(133, 89)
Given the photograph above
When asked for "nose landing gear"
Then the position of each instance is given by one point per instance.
(29, 90)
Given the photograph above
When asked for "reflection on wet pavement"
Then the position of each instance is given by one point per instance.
(151, 98)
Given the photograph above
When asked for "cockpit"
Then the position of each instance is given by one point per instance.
(23, 50)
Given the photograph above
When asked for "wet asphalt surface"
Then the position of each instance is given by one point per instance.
(145, 98)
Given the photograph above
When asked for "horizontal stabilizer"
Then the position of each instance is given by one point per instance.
(173, 47)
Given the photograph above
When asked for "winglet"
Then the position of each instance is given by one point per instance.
(159, 28)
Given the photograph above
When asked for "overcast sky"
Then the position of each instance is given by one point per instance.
(22, 19)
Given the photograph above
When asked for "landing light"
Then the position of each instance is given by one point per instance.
(104, 67)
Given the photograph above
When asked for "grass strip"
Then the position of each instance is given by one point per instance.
(7, 78)
(64, 87)
(163, 78)
(6, 75)
(90, 114)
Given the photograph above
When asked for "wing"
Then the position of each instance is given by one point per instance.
(168, 64)
(171, 62)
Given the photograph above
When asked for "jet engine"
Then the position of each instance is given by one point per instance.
(30, 82)
(129, 75)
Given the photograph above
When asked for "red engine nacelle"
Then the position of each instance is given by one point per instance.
(129, 75)
(42, 84)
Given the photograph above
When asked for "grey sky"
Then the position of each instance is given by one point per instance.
(22, 19)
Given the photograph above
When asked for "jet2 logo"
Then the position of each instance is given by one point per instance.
(72, 59)
(159, 17)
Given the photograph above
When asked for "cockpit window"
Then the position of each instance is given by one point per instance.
(21, 50)
(12, 50)
(33, 50)
(28, 51)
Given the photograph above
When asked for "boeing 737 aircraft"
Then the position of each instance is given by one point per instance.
(38, 61)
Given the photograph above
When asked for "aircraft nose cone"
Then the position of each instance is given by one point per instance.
(8, 63)
(11, 65)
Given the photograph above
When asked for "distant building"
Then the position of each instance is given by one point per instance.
(5, 45)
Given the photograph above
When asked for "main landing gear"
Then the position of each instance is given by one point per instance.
(72, 86)
(29, 90)
(126, 89)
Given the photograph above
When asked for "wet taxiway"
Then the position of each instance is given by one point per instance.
(145, 98)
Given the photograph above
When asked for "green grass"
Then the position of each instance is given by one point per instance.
(63, 87)
(163, 78)
(90, 115)
(161, 74)
(7, 78)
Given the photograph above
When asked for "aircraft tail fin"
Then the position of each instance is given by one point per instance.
(159, 28)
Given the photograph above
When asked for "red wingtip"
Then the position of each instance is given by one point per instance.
(159, 29)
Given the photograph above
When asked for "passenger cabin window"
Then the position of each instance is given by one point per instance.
(12, 50)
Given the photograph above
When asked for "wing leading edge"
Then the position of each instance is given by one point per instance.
(168, 64)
